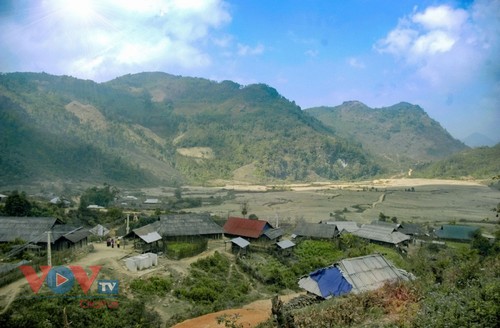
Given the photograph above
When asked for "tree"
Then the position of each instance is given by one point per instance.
(244, 208)
(98, 196)
(480, 243)
(17, 204)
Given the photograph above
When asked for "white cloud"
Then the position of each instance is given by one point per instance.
(312, 53)
(98, 39)
(446, 46)
(246, 50)
(356, 63)
(442, 17)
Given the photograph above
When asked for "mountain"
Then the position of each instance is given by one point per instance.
(477, 139)
(399, 136)
(160, 129)
(479, 163)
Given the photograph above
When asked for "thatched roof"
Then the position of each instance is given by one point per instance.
(316, 230)
(191, 224)
(28, 229)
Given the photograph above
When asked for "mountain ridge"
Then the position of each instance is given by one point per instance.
(161, 129)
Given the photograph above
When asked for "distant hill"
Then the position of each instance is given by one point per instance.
(479, 163)
(160, 129)
(477, 140)
(400, 136)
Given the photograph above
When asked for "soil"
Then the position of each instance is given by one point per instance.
(249, 315)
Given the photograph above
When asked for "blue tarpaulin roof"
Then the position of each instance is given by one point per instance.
(331, 282)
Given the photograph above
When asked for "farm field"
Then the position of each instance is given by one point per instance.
(419, 201)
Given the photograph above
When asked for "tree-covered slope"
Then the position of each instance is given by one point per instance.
(158, 128)
(400, 135)
(480, 163)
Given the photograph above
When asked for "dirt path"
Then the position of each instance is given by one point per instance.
(101, 255)
(380, 200)
(249, 315)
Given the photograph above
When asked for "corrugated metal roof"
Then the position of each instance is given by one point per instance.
(348, 226)
(412, 229)
(99, 230)
(76, 236)
(245, 227)
(458, 232)
(273, 233)
(370, 272)
(363, 273)
(381, 233)
(147, 233)
(284, 244)
(240, 242)
(315, 230)
(28, 229)
(191, 224)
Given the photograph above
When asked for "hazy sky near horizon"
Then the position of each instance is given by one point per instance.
(441, 55)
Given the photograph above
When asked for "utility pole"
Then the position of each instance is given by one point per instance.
(49, 253)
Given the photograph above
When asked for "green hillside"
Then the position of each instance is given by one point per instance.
(479, 163)
(155, 128)
(399, 136)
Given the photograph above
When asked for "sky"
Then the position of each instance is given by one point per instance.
(442, 55)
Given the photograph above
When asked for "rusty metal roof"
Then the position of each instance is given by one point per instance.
(245, 227)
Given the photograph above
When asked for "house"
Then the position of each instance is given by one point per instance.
(248, 228)
(179, 227)
(456, 232)
(152, 201)
(344, 226)
(28, 229)
(66, 237)
(316, 230)
(382, 234)
(187, 226)
(412, 229)
(33, 230)
(353, 275)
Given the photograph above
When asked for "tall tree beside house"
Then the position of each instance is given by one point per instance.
(17, 204)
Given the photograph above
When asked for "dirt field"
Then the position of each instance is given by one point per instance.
(432, 201)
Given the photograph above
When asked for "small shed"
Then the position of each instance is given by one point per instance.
(239, 245)
(147, 238)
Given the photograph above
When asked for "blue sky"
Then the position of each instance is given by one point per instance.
(441, 55)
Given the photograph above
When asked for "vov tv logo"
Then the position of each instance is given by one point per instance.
(61, 279)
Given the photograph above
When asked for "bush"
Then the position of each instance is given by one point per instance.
(152, 285)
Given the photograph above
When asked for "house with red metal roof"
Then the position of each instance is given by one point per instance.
(249, 228)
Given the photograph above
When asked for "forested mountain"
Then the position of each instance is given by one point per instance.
(399, 136)
(480, 163)
(155, 128)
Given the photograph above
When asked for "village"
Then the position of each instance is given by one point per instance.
(294, 263)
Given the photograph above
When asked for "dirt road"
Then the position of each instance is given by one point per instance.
(101, 255)
(249, 315)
